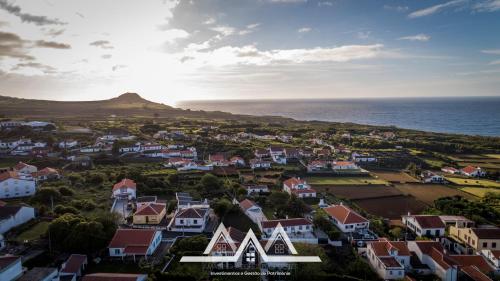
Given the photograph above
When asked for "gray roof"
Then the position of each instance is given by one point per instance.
(38, 273)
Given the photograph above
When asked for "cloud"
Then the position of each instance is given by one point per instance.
(325, 4)
(304, 30)
(54, 32)
(287, 1)
(80, 15)
(11, 45)
(399, 9)
(210, 21)
(250, 55)
(44, 68)
(249, 29)
(105, 44)
(50, 44)
(487, 6)
(364, 34)
(25, 17)
(224, 30)
(436, 8)
(495, 62)
(419, 37)
(174, 34)
(491, 52)
(106, 56)
(118, 67)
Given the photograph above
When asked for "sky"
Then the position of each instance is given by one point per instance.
(169, 51)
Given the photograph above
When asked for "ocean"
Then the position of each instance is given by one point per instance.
(459, 115)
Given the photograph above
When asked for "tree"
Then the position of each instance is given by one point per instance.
(221, 207)
(211, 186)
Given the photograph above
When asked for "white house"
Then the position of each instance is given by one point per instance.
(389, 258)
(259, 164)
(344, 165)
(297, 229)
(47, 173)
(493, 257)
(74, 266)
(24, 168)
(366, 158)
(472, 171)
(14, 184)
(253, 211)
(237, 161)
(261, 188)
(450, 170)
(10, 268)
(134, 242)
(12, 216)
(298, 187)
(126, 188)
(431, 177)
(346, 219)
(431, 253)
(189, 220)
(68, 144)
(425, 225)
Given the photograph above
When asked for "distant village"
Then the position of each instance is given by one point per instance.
(372, 198)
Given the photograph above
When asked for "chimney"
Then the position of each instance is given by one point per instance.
(286, 217)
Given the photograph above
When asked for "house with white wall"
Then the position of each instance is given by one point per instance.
(126, 188)
(13, 216)
(297, 229)
(299, 187)
(425, 225)
(24, 168)
(253, 211)
(14, 184)
(346, 219)
(191, 219)
(431, 253)
(11, 268)
(389, 259)
(134, 242)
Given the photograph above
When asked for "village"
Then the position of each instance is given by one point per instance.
(125, 199)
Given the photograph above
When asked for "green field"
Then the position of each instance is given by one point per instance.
(34, 232)
(473, 182)
(496, 156)
(344, 181)
(479, 191)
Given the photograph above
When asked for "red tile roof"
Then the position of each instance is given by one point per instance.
(150, 209)
(469, 169)
(6, 261)
(191, 213)
(8, 175)
(47, 171)
(382, 248)
(474, 273)
(74, 263)
(487, 233)
(129, 237)
(247, 204)
(429, 221)
(217, 157)
(286, 222)
(344, 163)
(111, 277)
(344, 214)
(291, 182)
(390, 262)
(125, 183)
(473, 260)
(236, 234)
(20, 165)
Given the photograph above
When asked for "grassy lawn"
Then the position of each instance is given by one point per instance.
(434, 162)
(33, 233)
(162, 172)
(496, 156)
(473, 182)
(479, 192)
(344, 181)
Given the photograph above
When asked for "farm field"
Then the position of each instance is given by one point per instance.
(391, 207)
(479, 191)
(359, 192)
(495, 156)
(399, 177)
(427, 193)
(34, 233)
(473, 182)
(345, 181)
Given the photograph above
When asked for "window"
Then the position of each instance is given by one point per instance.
(117, 251)
(493, 245)
(195, 221)
(485, 244)
(279, 249)
(181, 221)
